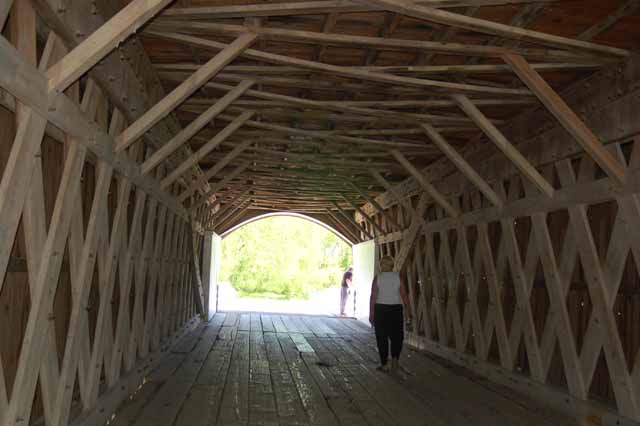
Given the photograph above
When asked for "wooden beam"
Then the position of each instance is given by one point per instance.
(213, 171)
(625, 9)
(462, 164)
(404, 202)
(359, 108)
(18, 171)
(323, 135)
(78, 322)
(504, 145)
(196, 278)
(411, 235)
(234, 205)
(234, 201)
(410, 8)
(29, 85)
(206, 148)
(426, 185)
(357, 41)
(216, 187)
(102, 42)
(364, 215)
(352, 220)
(118, 74)
(195, 126)
(329, 24)
(314, 8)
(183, 91)
(78, 346)
(5, 8)
(344, 227)
(566, 117)
(343, 71)
(213, 209)
(289, 112)
(258, 70)
(31, 355)
(445, 35)
(390, 221)
(34, 215)
(235, 214)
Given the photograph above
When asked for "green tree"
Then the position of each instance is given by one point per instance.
(283, 257)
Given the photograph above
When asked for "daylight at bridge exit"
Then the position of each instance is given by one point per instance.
(320, 212)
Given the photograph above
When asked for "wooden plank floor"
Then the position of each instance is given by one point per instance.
(263, 369)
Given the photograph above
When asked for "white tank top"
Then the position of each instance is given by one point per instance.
(388, 288)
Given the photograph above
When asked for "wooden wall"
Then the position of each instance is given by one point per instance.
(544, 291)
(15, 298)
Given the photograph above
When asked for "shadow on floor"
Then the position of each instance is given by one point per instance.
(270, 369)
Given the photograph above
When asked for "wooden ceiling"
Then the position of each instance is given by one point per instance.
(336, 85)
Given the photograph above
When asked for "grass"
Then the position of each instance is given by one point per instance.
(263, 295)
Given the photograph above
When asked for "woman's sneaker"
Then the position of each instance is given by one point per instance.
(384, 368)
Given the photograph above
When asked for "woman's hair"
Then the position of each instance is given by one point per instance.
(387, 263)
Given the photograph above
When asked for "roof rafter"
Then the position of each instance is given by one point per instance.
(409, 8)
(343, 71)
(101, 42)
(184, 90)
(349, 40)
(316, 8)
(195, 126)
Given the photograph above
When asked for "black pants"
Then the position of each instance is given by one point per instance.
(389, 324)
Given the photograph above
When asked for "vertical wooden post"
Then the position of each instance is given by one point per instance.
(207, 270)
(33, 214)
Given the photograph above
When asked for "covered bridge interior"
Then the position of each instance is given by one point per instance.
(490, 146)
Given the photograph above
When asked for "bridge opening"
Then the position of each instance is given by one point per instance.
(283, 263)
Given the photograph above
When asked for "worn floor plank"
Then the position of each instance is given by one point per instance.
(251, 369)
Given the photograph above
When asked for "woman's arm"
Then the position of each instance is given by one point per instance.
(372, 299)
(404, 296)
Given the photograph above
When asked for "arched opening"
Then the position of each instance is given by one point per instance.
(287, 214)
(287, 263)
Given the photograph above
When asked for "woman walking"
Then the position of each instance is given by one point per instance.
(388, 295)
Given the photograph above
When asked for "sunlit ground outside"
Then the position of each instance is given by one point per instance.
(283, 264)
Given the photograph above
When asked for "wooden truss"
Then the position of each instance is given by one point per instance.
(116, 228)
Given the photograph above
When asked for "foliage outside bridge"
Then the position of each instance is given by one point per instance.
(283, 258)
